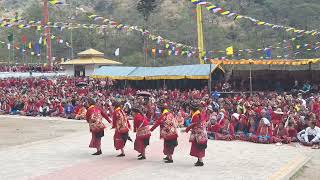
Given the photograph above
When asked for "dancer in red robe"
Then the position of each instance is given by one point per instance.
(168, 131)
(122, 127)
(198, 137)
(94, 118)
(141, 127)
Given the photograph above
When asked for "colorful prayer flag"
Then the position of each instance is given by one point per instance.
(229, 51)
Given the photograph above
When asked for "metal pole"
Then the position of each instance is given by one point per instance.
(250, 79)
(13, 52)
(71, 43)
(210, 80)
(47, 31)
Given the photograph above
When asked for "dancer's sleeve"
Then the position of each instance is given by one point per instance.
(104, 115)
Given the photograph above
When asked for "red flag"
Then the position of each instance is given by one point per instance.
(24, 39)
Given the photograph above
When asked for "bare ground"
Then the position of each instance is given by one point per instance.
(15, 130)
(311, 170)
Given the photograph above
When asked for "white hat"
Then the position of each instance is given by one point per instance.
(278, 111)
(236, 116)
(266, 121)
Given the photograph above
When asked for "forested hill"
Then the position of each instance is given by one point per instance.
(174, 20)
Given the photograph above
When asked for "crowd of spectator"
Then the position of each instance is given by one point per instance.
(29, 68)
(263, 117)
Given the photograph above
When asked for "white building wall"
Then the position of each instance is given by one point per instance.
(69, 70)
(89, 69)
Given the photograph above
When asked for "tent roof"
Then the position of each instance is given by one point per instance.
(200, 71)
(91, 60)
(91, 52)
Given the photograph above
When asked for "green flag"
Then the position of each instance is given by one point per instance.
(10, 37)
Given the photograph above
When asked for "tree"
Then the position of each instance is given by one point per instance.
(146, 8)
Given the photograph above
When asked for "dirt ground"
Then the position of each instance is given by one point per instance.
(311, 170)
(16, 130)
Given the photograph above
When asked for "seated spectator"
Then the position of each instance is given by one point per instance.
(281, 134)
(292, 132)
(311, 136)
(5, 108)
(69, 111)
(264, 132)
(225, 133)
(251, 135)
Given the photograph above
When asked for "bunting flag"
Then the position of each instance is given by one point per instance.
(158, 39)
(266, 62)
(229, 51)
(216, 9)
(268, 53)
(154, 52)
(10, 37)
(55, 2)
(117, 52)
(24, 39)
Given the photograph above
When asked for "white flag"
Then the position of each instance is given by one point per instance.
(117, 52)
(9, 46)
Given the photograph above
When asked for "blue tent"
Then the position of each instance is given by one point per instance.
(199, 71)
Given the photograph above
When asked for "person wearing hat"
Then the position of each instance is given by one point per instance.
(122, 126)
(168, 131)
(198, 137)
(141, 127)
(276, 117)
(264, 132)
(94, 118)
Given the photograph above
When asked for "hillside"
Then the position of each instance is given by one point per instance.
(174, 20)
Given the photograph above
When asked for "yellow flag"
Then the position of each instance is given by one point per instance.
(229, 51)
(30, 45)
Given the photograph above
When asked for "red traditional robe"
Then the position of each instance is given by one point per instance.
(264, 134)
(94, 118)
(122, 126)
(226, 133)
(141, 127)
(198, 135)
(276, 119)
(219, 124)
(281, 135)
(243, 124)
(168, 131)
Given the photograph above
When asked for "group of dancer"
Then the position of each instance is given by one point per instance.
(168, 130)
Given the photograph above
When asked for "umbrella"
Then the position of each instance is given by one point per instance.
(81, 84)
(143, 93)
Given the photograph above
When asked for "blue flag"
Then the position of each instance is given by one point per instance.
(268, 53)
(37, 48)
